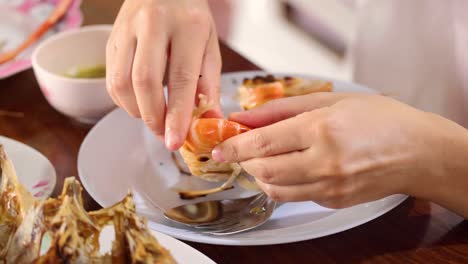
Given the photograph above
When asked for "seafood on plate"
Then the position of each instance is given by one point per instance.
(261, 89)
(204, 134)
(74, 233)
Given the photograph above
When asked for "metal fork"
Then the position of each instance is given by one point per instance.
(224, 217)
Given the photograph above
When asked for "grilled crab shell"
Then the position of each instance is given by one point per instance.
(73, 231)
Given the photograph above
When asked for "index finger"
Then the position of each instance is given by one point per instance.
(289, 135)
(280, 109)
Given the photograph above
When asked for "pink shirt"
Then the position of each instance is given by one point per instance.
(416, 51)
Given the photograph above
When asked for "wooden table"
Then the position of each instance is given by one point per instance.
(415, 232)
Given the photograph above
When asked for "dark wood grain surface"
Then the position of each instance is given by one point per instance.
(415, 232)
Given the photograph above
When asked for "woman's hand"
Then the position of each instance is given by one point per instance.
(343, 149)
(147, 35)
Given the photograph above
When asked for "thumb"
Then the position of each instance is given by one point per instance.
(280, 109)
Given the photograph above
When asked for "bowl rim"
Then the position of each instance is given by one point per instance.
(62, 35)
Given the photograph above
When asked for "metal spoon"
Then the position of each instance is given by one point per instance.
(224, 217)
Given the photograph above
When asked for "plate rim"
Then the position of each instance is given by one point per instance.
(38, 153)
(237, 241)
(181, 243)
(187, 235)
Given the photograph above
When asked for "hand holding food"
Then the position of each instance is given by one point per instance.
(343, 149)
(204, 134)
(149, 34)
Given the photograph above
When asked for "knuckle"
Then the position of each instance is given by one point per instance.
(272, 192)
(265, 174)
(117, 83)
(181, 78)
(158, 11)
(143, 80)
(117, 38)
(262, 144)
(336, 193)
(232, 152)
(337, 169)
(149, 13)
(323, 128)
(306, 132)
(198, 17)
(333, 168)
(327, 127)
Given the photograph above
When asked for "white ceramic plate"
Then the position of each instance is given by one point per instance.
(34, 170)
(181, 252)
(19, 18)
(119, 154)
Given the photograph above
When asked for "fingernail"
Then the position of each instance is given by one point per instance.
(217, 155)
(171, 141)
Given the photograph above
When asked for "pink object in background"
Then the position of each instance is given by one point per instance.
(19, 18)
(39, 194)
(41, 184)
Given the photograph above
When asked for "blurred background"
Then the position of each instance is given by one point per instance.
(300, 36)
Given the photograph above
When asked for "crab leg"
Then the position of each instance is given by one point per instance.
(56, 15)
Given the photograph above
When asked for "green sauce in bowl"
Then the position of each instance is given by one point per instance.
(93, 72)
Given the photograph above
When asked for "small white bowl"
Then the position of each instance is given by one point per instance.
(85, 100)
